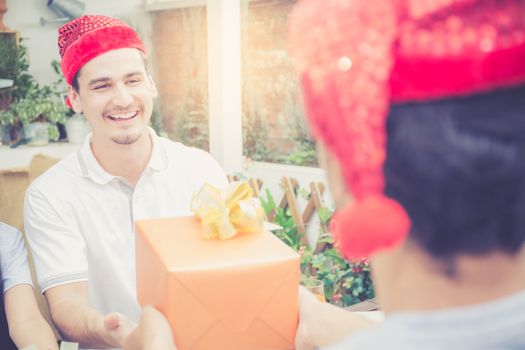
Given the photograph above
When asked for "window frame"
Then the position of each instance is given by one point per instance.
(224, 76)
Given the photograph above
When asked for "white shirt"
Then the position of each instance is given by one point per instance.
(495, 325)
(13, 258)
(80, 219)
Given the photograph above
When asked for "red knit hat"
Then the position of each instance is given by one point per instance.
(356, 57)
(86, 37)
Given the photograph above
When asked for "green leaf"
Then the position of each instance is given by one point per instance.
(324, 214)
(334, 255)
(53, 132)
(352, 281)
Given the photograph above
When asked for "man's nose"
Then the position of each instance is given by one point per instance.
(122, 96)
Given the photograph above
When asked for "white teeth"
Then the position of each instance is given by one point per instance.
(127, 115)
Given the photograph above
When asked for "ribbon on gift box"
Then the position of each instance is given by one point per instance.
(229, 212)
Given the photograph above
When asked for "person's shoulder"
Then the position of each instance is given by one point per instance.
(13, 258)
(59, 176)
(178, 148)
(7, 228)
(8, 231)
(9, 236)
(379, 337)
(193, 165)
(178, 151)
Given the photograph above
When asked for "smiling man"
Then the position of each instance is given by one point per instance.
(80, 214)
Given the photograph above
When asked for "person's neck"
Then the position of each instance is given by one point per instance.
(126, 161)
(408, 279)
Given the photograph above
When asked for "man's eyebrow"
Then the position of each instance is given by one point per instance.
(106, 79)
(98, 80)
(134, 73)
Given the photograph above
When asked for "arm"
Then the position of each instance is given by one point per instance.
(321, 324)
(26, 324)
(75, 318)
(152, 333)
(59, 253)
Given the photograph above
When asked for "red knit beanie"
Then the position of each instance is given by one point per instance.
(357, 57)
(86, 37)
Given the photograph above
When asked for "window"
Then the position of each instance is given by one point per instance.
(274, 129)
(181, 61)
(209, 64)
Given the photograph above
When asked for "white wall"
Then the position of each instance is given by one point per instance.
(24, 16)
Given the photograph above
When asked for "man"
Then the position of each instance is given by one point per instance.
(80, 214)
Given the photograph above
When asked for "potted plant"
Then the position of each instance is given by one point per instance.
(345, 283)
(76, 125)
(35, 109)
(8, 74)
(39, 112)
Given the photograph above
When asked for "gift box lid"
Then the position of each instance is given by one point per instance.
(181, 247)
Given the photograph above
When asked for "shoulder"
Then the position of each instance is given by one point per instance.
(13, 258)
(59, 177)
(54, 191)
(193, 160)
(383, 336)
(192, 165)
(177, 150)
(9, 237)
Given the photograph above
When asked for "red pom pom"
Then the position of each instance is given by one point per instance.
(368, 226)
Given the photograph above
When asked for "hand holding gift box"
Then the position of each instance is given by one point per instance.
(238, 293)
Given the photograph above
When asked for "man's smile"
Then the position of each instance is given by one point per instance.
(121, 116)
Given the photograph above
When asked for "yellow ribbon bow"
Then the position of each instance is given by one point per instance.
(227, 213)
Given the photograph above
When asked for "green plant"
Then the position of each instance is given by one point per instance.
(191, 124)
(8, 52)
(346, 283)
(304, 152)
(31, 102)
(289, 233)
(255, 136)
(37, 105)
(306, 156)
(15, 66)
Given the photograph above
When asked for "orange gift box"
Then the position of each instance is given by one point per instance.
(240, 293)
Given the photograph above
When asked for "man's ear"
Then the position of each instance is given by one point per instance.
(74, 99)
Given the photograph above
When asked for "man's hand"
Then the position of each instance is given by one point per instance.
(309, 306)
(75, 318)
(118, 326)
(152, 333)
(322, 324)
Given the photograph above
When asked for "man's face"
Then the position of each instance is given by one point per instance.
(115, 93)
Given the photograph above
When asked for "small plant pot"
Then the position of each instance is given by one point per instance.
(76, 129)
(37, 133)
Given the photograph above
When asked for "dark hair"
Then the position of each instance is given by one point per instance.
(74, 81)
(458, 167)
(5, 340)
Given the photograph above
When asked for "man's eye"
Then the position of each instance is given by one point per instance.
(134, 81)
(100, 87)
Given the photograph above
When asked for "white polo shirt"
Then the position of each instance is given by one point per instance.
(80, 219)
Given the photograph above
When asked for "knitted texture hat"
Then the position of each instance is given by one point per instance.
(86, 37)
(357, 57)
